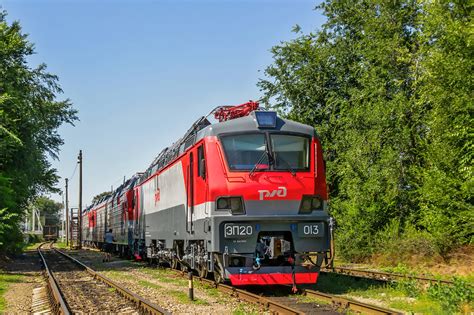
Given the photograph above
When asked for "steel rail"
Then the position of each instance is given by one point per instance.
(342, 303)
(145, 306)
(55, 296)
(262, 301)
(338, 302)
(381, 275)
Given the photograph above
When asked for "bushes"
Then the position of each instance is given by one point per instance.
(33, 238)
(11, 238)
(452, 298)
(456, 298)
(403, 244)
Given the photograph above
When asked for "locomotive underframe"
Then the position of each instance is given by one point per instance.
(209, 249)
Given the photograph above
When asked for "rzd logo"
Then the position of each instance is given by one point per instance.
(280, 192)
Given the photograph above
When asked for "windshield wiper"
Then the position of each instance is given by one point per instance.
(260, 159)
(293, 172)
(270, 158)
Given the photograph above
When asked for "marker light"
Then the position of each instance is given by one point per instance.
(310, 203)
(265, 119)
(223, 203)
(234, 204)
(316, 203)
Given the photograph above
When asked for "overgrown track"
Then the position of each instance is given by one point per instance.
(79, 289)
(341, 303)
(280, 300)
(381, 276)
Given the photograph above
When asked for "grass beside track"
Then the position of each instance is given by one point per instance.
(408, 296)
(61, 245)
(32, 246)
(404, 270)
(5, 280)
(163, 276)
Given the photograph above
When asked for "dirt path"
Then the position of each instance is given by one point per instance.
(26, 272)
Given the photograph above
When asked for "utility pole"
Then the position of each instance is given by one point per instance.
(79, 160)
(63, 218)
(67, 214)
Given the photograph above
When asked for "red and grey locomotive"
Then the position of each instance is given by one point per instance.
(244, 198)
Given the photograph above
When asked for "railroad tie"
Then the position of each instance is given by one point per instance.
(40, 301)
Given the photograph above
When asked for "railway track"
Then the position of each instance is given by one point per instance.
(76, 288)
(277, 301)
(280, 300)
(382, 276)
(282, 304)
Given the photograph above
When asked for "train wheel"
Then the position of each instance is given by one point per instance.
(218, 277)
(174, 263)
(202, 271)
(218, 274)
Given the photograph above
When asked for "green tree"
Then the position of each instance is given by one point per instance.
(100, 196)
(446, 179)
(366, 82)
(49, 209)
(30, 116)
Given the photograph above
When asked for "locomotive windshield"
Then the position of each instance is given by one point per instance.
(245, 150)
(290, 151)
(284, 151)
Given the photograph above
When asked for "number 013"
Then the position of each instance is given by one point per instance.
(311, 229)
(315, 229)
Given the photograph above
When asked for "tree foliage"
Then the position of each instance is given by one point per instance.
(388, 86)
(30, 116)
(100, 196)
(49, 209)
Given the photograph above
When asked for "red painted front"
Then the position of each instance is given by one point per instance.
(273, 278)
(239, 183)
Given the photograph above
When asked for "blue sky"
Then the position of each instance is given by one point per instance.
(141, 72)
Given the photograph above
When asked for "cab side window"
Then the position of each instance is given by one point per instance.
(201, 162)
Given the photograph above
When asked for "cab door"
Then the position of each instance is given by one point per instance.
(196, 186)
(190, 192)
(200, 184)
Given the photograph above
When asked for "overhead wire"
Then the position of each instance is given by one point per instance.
(73, 172)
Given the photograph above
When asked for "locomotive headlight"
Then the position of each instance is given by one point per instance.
(234, 204)
(316, 203)
(306, 205)
(310, 203)
(223, 203)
